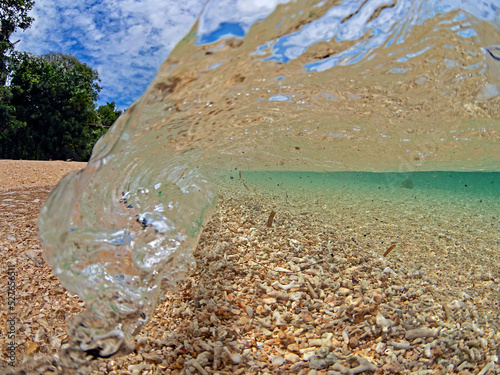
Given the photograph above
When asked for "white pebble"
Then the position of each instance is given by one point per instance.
(277, 360)
(465, 296)
(55, 342)
(380, 347)
(478, 330)
(249, 311)
(456, 304)
(400, 345)
(383, 323)
(390, 270)
(236, 358)
(308, 355)
(292, 357)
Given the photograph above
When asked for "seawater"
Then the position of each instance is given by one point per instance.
(443, 201)
(475, 185)
(336, 103)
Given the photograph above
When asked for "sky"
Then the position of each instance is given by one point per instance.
(124, 40)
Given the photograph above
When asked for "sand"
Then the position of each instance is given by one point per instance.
(312, 293)
(40, 305)
(24, 174)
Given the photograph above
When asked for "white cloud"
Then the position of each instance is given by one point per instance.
(243, 13)
(125, 40)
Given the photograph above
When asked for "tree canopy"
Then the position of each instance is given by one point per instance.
(13, 15)
(108, 114)
(50, 111)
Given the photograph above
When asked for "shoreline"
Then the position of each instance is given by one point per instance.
(312, 294)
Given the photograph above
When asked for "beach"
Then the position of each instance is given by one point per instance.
(341, 281)
(37, 302)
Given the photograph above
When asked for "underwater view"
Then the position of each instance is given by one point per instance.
(305, 187)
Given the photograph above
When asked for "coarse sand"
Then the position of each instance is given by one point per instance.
(23, 174)
(344, 283)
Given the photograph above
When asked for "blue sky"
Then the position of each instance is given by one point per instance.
(124, 40)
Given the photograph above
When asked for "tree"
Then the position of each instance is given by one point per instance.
(108, 114)
(13, 15)
(52, 98)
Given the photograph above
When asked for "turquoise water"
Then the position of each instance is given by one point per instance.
(468, 184)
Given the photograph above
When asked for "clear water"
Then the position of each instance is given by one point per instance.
(351, 97)
(467, 184)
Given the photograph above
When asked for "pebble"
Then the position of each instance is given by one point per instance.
(236, 358)
(400, 345)
(380, 348)
(55, 342)
(343, 291)
(249, 312)
(363, 365)
(321, 352)
(152, 357)
(317, 363)
(277, 360)
(269, 301)
(308, 355)
(136, 369)
(383, 323)
(456, 305)
(40, 335)
(421, 333)
(292, 357)
(296, 367)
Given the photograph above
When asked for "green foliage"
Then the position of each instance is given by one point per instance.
(13, 15)
(108, 114)
(51, 109)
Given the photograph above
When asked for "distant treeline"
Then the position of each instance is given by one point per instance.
(47, 103)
